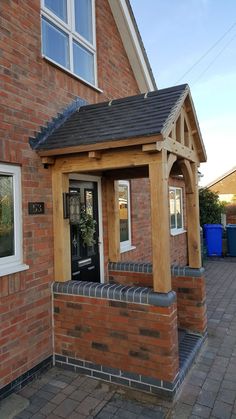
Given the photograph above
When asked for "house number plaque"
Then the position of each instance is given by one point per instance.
(36, 208)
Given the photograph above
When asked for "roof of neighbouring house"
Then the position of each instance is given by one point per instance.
(129, 117)
(220, 178)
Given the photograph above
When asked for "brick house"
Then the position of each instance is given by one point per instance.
(87, 140)
(225, 187)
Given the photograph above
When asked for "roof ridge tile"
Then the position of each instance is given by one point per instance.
(55, 123)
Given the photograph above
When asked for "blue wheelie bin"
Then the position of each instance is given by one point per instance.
(213, 237)
(231, 239)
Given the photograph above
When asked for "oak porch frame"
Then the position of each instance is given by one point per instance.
(179, 146)
(159, 158)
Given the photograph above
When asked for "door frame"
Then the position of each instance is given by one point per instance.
(97, 179)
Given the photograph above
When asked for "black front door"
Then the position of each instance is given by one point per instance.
(85, 257)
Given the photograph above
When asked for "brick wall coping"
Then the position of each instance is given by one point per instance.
(146, 267)
(129, 294)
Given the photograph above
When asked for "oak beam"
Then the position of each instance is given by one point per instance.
(61, 228)
(110, 159)
(94, 155)
(173, 132)
(182, 127)
(153, 147)
(170, 161)
(160, 224)
(48, 161)
(186, 169)
(192, 206)
(105, 145)
(172, 146)
(113, 220)
(180, 150)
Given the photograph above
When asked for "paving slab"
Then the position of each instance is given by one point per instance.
(12, 406)
(217, 388)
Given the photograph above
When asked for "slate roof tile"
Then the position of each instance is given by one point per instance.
(129, 117)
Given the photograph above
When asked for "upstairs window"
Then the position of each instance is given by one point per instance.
(125, 216)
(68, 36)
(10, 220)
(176, 210)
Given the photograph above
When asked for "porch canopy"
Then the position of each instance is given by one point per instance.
(147, 135)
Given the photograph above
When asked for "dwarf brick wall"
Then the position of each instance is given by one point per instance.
(131, 278)
(32, 92)
(132, 337)
(191, 303)
(190, 292)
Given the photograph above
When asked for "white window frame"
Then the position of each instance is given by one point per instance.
(69, 29)
(12, 264)
(176, 230)
(126, 245)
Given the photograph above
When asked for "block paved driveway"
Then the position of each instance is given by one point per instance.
(209, 390)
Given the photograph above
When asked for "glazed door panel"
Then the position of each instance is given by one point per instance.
(85, 261)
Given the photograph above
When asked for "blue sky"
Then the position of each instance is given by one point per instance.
(176, 34)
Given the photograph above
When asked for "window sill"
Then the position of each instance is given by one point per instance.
(127, 249)
(66, 70)
(177, 233)
(12, 268)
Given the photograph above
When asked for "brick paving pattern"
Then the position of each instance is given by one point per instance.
(209, 390)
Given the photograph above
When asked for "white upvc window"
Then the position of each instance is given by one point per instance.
(125, 216)
(10, 220)
(176, 210)
(68, 36)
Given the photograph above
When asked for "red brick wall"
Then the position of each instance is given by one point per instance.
(33, 91)
(191, 303)
(25, 312)
(131, 278)
(140, 222)
(141, 228)
(230, 210)
(135, 338)
(190, 291)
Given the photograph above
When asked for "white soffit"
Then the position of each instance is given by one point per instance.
(132, 45)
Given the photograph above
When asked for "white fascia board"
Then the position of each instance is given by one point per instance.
(132, 45)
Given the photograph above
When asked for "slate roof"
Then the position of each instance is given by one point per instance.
(135, 116)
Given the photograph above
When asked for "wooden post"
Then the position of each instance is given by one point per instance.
(182, 127)
(160, 225)
(113, 220)
(192, 204)
(61, 227)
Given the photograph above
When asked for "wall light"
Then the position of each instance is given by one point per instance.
(71, 207)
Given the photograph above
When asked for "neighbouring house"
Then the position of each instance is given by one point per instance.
(99, 216)
(225, 187)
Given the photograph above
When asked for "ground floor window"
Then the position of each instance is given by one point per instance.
(10, 219)
(176, 210)
(125, 215)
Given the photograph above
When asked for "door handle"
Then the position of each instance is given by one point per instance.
(84, 262)
(76, 273)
